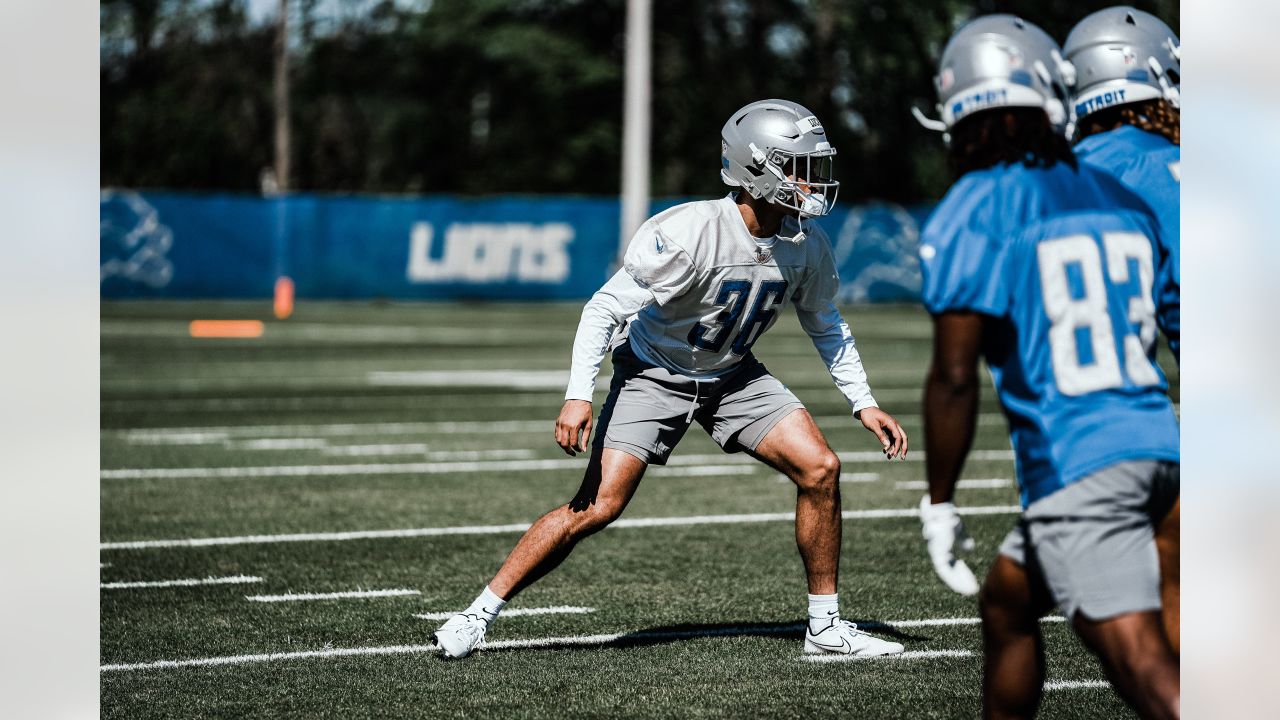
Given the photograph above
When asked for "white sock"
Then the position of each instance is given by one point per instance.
(487, 605)
(824, 611)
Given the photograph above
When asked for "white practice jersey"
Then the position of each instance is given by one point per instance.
(697, 290)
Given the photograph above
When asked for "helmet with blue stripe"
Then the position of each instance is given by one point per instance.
(999, 61)
(1123, 55)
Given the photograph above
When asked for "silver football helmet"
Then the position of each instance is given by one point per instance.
(1123, 55)
(777, 150)
(1001, 61)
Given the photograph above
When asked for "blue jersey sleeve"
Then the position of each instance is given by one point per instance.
(962, 251)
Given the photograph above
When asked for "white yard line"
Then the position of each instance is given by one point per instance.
(518, 612)
(546, 400)
(375, 450)
(348, 594)
(282, 444)
(943, 622)
(578, 641)
(437, 468)
(177, 438)
(845, 477)
(425, 451)
(413, 468)
(982, 483)
(188, 582)
(909, 655)
(521, 527)
(515, 379)
(1075, 684)
(340, 429)
(700, 470)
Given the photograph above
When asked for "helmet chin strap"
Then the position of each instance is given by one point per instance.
(800, 233)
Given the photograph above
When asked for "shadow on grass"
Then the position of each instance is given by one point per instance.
(666, 634)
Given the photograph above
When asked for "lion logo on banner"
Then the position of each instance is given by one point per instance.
(133, 241)
(875, 252)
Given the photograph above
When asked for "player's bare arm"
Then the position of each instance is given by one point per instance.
(573, 427)
(951, 400)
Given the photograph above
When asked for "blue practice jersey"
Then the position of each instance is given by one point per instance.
(1150, 166)
(1065, 263)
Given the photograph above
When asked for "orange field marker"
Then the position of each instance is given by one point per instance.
(226, 328)
(284, 297)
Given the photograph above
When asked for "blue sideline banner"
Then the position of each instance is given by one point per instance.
(176, 245)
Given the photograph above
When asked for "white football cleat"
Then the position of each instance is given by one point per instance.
(460, 635)
(844, 638)
(945, 537)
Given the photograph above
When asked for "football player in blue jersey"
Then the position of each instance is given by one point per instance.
(1127, 101)
(1046, 269)
(1127, 105)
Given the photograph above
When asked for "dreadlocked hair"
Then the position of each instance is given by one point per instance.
(1155, 116)
(1009, 135)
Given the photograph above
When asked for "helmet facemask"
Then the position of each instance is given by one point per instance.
(805, 181)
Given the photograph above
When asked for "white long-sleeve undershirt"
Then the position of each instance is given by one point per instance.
(831, 336)
(617, 300)
(622, 297)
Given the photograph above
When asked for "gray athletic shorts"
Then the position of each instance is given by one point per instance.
(649, 409)
(1093, 542)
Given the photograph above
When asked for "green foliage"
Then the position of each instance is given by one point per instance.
(525, 96)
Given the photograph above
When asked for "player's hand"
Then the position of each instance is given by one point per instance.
(893, 439)
(573, 427)
(944, 534)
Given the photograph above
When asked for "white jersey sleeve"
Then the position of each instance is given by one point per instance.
(816, 309)
(658, 263)
(612, 304)
(831, 336)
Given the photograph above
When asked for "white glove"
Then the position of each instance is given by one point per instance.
(944, 534)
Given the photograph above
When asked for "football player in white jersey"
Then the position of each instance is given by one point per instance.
(700, 283)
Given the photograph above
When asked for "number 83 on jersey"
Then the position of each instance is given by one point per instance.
(1077, 283)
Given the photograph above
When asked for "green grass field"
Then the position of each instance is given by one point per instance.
(287, 450)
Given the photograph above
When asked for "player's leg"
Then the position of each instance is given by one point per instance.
(610, 481)
(1095, 541)
(1137, 658)
(1168, 535)
(754, 412)
(607, 486)
(643, 419)
(796, 448)
(1011, 602)
(641, 422)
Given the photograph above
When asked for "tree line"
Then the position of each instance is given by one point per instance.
(522, 96)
